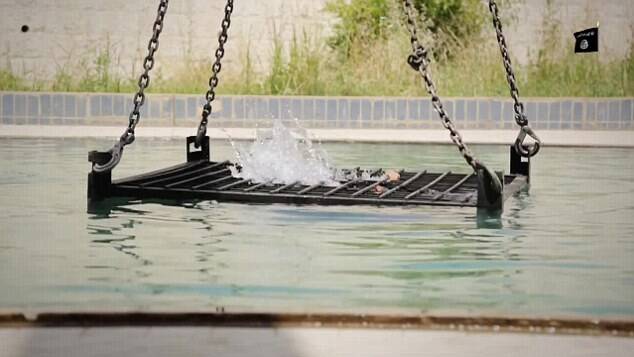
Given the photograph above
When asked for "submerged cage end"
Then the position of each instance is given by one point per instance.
(490, 189)
(520, 165)
(99, 183)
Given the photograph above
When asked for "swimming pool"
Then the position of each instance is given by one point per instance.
(565, 248)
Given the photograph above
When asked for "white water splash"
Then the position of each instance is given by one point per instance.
(281, 155)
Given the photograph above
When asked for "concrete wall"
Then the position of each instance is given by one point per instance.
(64, 31)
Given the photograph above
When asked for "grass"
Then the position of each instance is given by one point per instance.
(310, 67)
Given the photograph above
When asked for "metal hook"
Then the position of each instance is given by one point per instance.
(527, 150)
(116, 152)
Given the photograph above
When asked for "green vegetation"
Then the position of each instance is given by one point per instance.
(366, 56)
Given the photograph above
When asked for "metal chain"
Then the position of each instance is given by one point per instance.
(139, 98)
(520, 116)
(419, 60)
(215, 69)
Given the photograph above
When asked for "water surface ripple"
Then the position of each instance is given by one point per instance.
(565, 248)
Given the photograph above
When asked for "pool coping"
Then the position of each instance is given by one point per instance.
(568, 138)
(563, 326)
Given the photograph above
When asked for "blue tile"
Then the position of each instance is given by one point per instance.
(626, 111)
(274, 107)
(566, 111)
(262, 108)
(128, 105)
(7, 105)
(413, 112)
(70, 106)
(167, 108)
(33, 105)
(320, 109)
(496, 110)
(45, 105)
(591, 111)
(331, 109)
(308, 111)
(192, 107)
(459, 110)
(145, 109)
(19, 105)
(366, 110)
(285, 108)
(296, 108)
(401, 109)
(425, 109)
(614, 111)
(555, 113)
(155, 108)
(238, 108)
(472, 110)
(483, 110)
(119, 106)
(81, 106)
(179, 108)
(390, 110)
(542, 112)
(378, 110)
(355, 109)
(540, 125)
(554, 125)
(106, 105)
(448, 106)
(227, 107)
(95, 105)
(577, 111)
(58, 105)
(508, 114)
(343, 110)
(531, 111)
(250, 111)
(602, 111)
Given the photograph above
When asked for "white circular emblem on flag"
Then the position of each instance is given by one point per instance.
(584, 44)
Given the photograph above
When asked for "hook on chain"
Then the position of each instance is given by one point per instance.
(527, 150)
(417, 58)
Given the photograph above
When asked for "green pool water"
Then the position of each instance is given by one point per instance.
(564, 248)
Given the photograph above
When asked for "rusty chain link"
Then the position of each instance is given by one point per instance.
(518, 106)
(215, 69)
(139, 98)
(419, 61)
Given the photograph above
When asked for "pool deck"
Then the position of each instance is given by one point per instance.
(262, 334)
(572, 138)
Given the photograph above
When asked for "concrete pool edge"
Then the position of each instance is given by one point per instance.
(568, 138)
(564, 326)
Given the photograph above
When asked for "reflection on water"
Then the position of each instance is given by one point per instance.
(573, 229)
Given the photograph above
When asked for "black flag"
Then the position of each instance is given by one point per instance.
(587, 40)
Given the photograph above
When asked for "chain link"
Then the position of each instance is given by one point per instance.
(419, 61)
(518, 106)
(215, 69)
(139, 98)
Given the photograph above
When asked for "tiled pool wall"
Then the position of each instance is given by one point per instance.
(41, 108)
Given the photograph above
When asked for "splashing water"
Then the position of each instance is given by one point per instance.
(281, 155)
